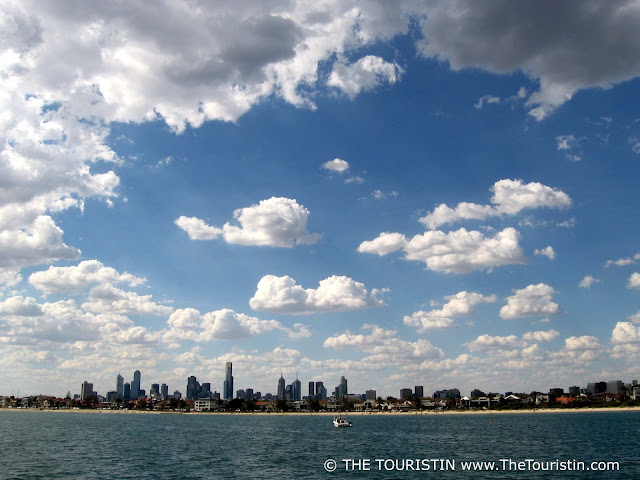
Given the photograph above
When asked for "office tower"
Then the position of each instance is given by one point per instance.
(321, 391)
(475, 393)
(155, 389)
(164, 391)
(574, 391)
(249, 394)
(281, 388)
(371, 395)
(135, 385)
(192, 388)
(288, 395)
(614, 386)
(227, 387)
(558, 392)
(177, 395)
(296, 390)
(241, 394)
(419, 391)
(404, 393)
(126, 396)
(86, 390)
(119, 387)
(341, 390)
(216, 396)
(205, 390)
(312, 390)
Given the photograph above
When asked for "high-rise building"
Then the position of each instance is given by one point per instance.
(574, 391)
(296, 390)
(155, 389)
(126, 395)
(281, 388)
(119, 387)
(249, 394)
(86, 390)
(405, 392)
(288, 395)
(321, 392)
(164, 391)
(205, 390)
(312, 390)
(371, 395)
(227, 387)
(419, 391)
(135, 385)
(193, 387)
(614, 386)
(341, 390)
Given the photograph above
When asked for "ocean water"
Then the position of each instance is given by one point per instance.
(78, 445)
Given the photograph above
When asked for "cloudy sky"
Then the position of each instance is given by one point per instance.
(418, 193)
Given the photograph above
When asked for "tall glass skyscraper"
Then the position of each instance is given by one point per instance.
(135, 385)
(119, 387)
(281, 388)
(227, 387)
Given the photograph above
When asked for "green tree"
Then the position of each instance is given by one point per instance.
(282, 405)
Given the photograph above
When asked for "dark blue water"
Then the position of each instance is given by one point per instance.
(76, 445)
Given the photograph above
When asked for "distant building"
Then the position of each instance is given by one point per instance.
(419, 391)
(249, 394)
(164, 392)
(155, 390)
(193, 388)
(227, 387)
(321, 391)
(596, 388)
(205, 390)
(177, 394)
(119, 387)
(312, 390)
(371, 395)
(86, 390)
(241, 394)
(574, 391)
(558, 392)
(127, 392)
(475, 393)
(614, 386)
(205, 405)
(296, 390)
(135, 385)
(446, 394)
(405, 392)
(341, 390)
(281, 388)
(111, 396)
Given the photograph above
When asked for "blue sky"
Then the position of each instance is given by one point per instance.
(440, 194)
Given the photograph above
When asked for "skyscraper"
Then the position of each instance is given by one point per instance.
(86, 390)
(341, 390)
(312, 390)
(227, 387)
(119, 387)
(127, 392)
(321, 392)
(281, 388)
(164, 391)
(296, 390)
(419, 391)
(192, 388)
(135, 385)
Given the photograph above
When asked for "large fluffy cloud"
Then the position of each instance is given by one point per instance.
(334, 294)
(276, 222)
(459, 305)
(383, 345)
(225, 324)
(509, 198)
(107, 298)
(530, 301)
(460, 251)
(77, 277)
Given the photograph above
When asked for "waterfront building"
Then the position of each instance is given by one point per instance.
(405, 393)
(227, 387)
(281, 388)
(296, 390)
(205, 405)
(475, 393)
(419, 391)
(86, 390)
(193, 388)
(614, 386)
(371, 395)
(119, 386)
(135, 385)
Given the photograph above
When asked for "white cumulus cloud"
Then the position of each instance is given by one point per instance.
(334, 294)
(530, 301)
(587, 281)
(106, 298)
(509, 198)
(275, 222)
(546, 252)
(459, 305)
(336, 165)
(75, 278)
(365, 74)
(634, 281)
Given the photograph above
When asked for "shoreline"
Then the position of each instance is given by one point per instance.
(351, 414)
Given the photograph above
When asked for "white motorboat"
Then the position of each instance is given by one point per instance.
(340, 421)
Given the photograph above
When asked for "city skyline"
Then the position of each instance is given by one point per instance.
(391, 193)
